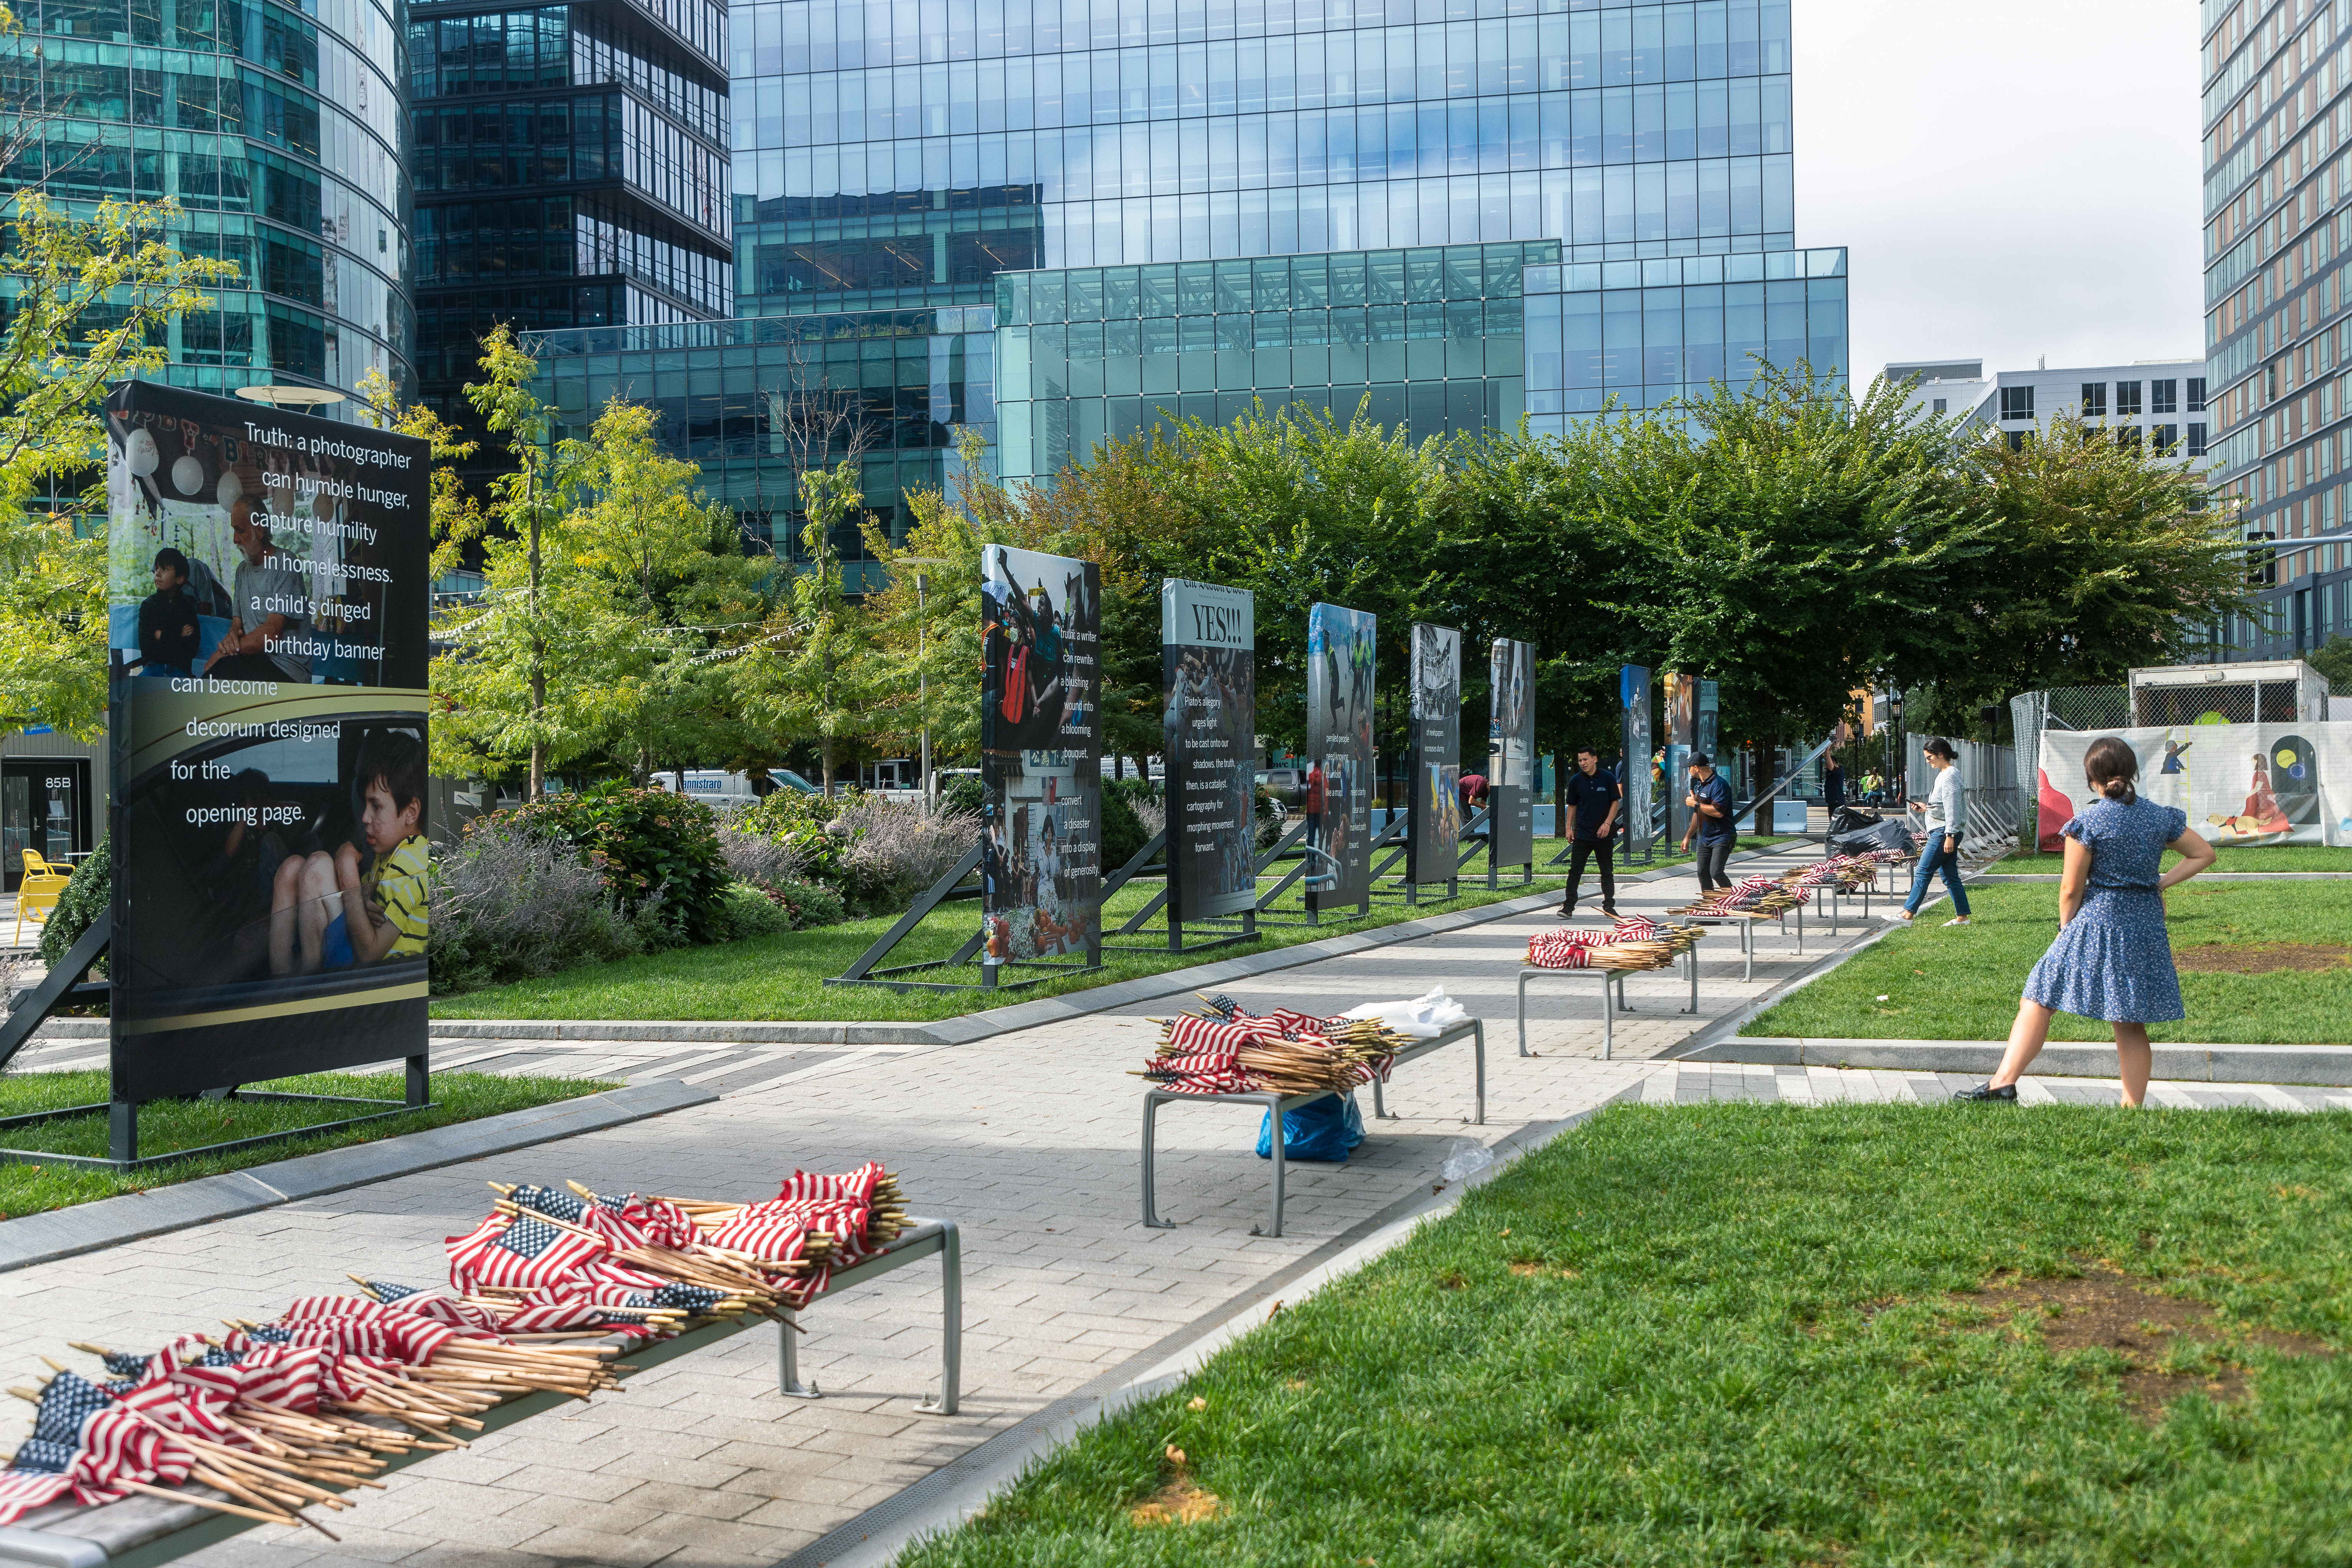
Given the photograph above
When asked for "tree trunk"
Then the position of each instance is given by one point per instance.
(538, 660)
(825, 717)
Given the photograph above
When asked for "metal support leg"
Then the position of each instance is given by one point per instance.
(788, 1360)
(1150, 1112)
(1692, 958)
(1524, 977)
(123, 1129)
(1281, 1158)
(950, 1324)
(1478, 1040)
(1608, 1021)
(1623, 1005)
(1801, 931)
(420, 1082)
(1379, 1105)
(1746, 950)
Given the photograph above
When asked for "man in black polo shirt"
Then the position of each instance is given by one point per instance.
(1593, 801)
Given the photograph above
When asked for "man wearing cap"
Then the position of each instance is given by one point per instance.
(1709, 801)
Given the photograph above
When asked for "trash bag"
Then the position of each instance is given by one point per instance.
(1328, 1130)
(1877, 836)
(1846, 819)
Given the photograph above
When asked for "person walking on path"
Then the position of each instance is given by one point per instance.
(1946, 805)
(1592, 798)
(1710, 822)
(1833, 785)
(2112, 960)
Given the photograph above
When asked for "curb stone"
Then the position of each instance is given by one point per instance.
(109, 1222)
(2320, 1065)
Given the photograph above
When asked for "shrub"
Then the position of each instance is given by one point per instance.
(757, 858)
(650, 846)
(1123, 832)
(89, 894)
(1271, 819)
(891, 851)
(964, 793)
(752, 912)
(512, 902)
(809, 904)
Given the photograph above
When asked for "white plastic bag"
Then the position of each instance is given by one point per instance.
(1424, 1018)
(1465, 1159)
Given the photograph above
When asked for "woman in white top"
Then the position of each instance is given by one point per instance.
(1948, 812)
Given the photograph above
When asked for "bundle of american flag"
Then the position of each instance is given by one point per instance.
(1630, 945)
(276, 1417)
(1224, 1050)
(1764, 897)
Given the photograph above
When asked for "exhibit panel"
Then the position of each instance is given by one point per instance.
(1341, 660)
(1208, 670)
(1041, 757)
(268, 592)
(1639, 784)
(1436, 831)
(1511, 754)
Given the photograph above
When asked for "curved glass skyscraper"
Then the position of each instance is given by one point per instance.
(278, 128)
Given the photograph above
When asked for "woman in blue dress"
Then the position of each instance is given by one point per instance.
(2112, 958)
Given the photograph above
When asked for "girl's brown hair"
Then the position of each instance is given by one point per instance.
(2111, 767)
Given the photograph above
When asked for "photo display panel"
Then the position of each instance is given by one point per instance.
(1511, 754)
(1341, 649)
(1634, 696)
(1209, 687)
(268, 620)
(1041, 754)
(1436, 677)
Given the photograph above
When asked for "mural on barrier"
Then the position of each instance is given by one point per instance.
(2239, 784)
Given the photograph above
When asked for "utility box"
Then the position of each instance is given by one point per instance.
(2256, 691)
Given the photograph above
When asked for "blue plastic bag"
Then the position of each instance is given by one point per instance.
(1328, 1130)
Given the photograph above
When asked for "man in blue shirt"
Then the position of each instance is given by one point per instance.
(1709, 801)
(1592, 800)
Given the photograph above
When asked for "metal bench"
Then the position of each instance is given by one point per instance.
(1609, 1007)
(1275, 1104)
(142, 1530)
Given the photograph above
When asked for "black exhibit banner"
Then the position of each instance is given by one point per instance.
(1634, 697)
(1341, 646)
(267, 605)
(1437, 832)
(1041, 757)
(1209, 682)
(1511, 755)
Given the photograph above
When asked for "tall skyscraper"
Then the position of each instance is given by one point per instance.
(280, 132)
(571, 171)
(2278, 219)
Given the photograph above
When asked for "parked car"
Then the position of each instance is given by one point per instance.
(1288, 785)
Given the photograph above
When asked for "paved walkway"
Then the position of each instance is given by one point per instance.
(1027, 1140)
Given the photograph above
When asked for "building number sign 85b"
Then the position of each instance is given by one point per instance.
(57, 783)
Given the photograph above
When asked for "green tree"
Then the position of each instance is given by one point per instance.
(814, 678)
(87, 302)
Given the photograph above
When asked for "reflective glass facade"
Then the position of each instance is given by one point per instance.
(278, 127)
(733, 395)
(1065, 133)
(2278, 301)
(571, 170)
(1647, 332)
(1428, 338)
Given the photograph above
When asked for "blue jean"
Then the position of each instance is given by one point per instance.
(1942, 853)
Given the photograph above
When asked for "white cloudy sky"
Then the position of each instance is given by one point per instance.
(2014, 177)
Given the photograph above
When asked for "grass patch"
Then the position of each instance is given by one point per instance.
(782, 977)
(2253, 857)
(165, 1126)
(1942, 982)
(1774, 1335)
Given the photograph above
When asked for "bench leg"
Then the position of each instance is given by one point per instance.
(1693, 957)
(788, 1360)
(1478, 1037)
(1608, 1021)
(1281, 1158)
(951, 1325)
(1523, 1015)
(1150, 1220)
(1379, 1105)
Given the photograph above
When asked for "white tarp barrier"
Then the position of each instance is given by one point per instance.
(2239, 784)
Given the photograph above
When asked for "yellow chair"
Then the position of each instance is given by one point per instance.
(39, 899)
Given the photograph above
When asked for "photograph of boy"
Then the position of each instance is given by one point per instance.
(168, 637)
(335, 912)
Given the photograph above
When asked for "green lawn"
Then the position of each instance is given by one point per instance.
(168, 1125)
(1741, 1334)
(782, 977)
(2254, 858)
(1943, 983)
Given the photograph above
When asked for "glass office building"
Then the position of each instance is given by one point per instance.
(278, 127)
(755, 402)
(571, 171)
(2278, 224)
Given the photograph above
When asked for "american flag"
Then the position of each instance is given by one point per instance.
(856, 1187)
(430, 1304)
(82, 1443)
(521, 1253)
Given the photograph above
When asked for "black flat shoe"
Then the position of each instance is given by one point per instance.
(2006, 1093)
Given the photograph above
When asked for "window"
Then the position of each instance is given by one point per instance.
(2196, 394)
(1939, 404)
(2165, 437)
(2017, 402)
(2095, 399)
(2126, 399)
(2196, 437)
(2164, 397)
(2127, 435)
(2017, 440)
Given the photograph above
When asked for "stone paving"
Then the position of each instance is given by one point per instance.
(1028, 1140)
